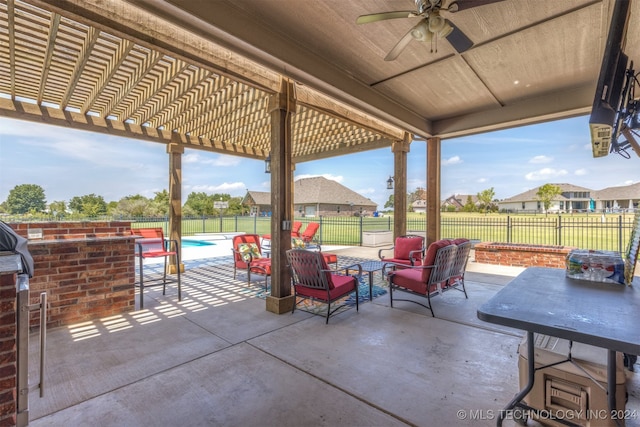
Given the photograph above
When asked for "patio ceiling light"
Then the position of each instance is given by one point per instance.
(267, 163)
(390, 183)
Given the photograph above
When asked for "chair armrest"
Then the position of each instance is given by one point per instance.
(352, 267)
(413, 257)
(384, 249)
(392, 265)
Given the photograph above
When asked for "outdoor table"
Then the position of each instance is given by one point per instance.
(545, 301)
(370, 267)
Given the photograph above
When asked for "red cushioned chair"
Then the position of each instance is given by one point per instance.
(312, 278)
(295, 232)
(247, 255)
(309, 232)
(428, 279)
(408, 250)
(152, 244)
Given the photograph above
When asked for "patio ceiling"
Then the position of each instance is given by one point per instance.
(201, 72)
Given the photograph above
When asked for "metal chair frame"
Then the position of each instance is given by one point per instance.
(307, 270)
(143, 244)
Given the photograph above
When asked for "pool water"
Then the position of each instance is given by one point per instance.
(196, 243)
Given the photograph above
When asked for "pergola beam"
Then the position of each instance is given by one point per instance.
(52, 116)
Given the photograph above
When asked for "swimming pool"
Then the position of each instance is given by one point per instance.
(196, 243)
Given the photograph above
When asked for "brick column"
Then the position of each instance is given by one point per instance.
(8, 349)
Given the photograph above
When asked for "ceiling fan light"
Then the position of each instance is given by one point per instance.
(445, 31)
(436, 23)
(421, 32)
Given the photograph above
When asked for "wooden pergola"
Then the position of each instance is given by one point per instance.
(64, 69)
(297, 80)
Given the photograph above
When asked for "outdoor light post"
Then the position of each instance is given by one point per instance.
(219, 204)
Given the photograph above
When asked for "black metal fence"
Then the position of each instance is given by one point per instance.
(609, 232)
(599, 232)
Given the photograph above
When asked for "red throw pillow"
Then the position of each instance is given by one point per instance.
(404, 245)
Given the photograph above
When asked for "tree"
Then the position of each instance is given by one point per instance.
(25, 198)
(201, 203)
(159, 205)
(546, 194)
(485, 197)
(469, 206)
(89, 205)
(389, 203)
(58, 209)
(133, 206)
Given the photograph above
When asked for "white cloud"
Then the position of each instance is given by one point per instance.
(481, 180)
(455, 160)
(581, 172)
(545, 174)
(225, 187)
(541, 159)
(366, 191)
(217, 160)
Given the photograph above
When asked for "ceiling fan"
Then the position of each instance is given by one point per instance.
(431, 26)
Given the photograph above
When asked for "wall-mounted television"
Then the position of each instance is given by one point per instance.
(611, 85)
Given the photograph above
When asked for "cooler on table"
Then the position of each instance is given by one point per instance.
(566, 390)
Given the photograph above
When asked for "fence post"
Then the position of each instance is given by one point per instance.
(508, 229)
(361, 226)
(559, 228)
(320, 230)
(620, 233)
(203, 224)
(388, 222)
(255, 224)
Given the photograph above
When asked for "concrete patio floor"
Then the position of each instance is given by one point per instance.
(218, 358)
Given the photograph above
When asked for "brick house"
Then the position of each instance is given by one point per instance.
(317, 196)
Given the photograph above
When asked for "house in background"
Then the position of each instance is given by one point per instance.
(456, 202)
(317, 196)
(618, 198)
(419, 206)
(259, 203)
(572, 199)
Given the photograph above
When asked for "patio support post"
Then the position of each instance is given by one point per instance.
(434, 151)
(175, 151)
(400, 150)
(281, 106)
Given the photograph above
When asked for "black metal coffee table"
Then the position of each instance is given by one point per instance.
(370, 267)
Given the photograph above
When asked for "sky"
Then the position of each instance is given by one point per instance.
(68, 163)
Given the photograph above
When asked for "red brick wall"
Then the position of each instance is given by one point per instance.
(8, 349)
(522, 255)
(86, 268)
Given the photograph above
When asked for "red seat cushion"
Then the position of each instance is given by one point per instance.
(342, 285)
(263, 266)
(411, 278)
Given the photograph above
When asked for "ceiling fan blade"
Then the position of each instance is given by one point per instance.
(365, 19)
(399, 47)
(468, 4)
(458, 39)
